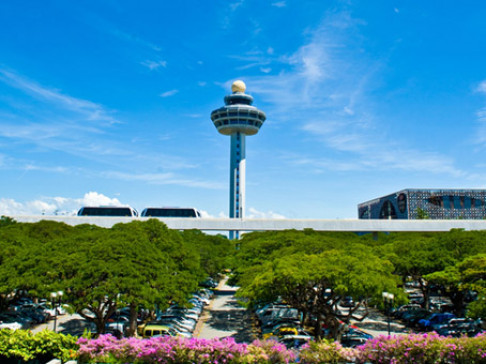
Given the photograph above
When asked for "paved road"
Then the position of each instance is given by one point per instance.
(376, 324)
(224, 317)
(71, 322)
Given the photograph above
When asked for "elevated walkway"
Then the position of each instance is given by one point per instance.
(353, 225)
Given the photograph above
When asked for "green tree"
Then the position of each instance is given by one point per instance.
(140, 264)
(466, 276)
(422, 214)
(416, 255)
(6, 220)
(215, 251)
(315, 283)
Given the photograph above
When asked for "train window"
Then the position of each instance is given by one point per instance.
(170, 212)
(107, 211)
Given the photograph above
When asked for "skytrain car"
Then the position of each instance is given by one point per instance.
(107, 211)
(171, 212)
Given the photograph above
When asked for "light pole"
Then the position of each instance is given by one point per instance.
(117, 312)
(53, 300)
(388, 301)
(55, 295)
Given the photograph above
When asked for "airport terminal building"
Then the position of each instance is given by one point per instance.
(436, 204)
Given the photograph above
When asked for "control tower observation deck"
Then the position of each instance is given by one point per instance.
(238, 118)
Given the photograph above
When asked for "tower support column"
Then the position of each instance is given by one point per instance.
(237, 178)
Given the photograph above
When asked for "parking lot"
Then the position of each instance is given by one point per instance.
(219, 315)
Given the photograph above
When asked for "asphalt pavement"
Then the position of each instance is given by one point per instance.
(71, 322)
(225, 317)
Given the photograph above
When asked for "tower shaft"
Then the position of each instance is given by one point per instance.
(237, 176)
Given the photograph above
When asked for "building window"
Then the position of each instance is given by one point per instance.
(402, 202)
(388, 211)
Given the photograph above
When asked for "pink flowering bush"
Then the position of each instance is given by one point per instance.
(108, 349)
(423, 348)
(415, 348)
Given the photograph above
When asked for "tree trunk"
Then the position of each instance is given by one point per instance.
(132, 329)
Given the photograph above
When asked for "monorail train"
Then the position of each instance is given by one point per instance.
(179, 212)
(170, 212)
(107, 211)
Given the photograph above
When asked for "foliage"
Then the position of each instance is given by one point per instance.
(47, 344)
(107, 349)
(422, 214)
(6, 220)
(312, 271)
(423, 348)
(465, 276)
(326, 352)
(215, 251)
(139, 264)
(419, 349)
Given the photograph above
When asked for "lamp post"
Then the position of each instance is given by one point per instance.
(53, 300)
(118, 312)
(55, 295)
(388, 301)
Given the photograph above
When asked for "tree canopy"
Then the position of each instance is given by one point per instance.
(139, 264)
(313, 271)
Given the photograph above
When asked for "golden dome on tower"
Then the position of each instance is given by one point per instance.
(238, 86)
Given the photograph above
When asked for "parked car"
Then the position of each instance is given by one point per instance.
(400, 311)
(24, 320)
(209, 283)
(347, 302)
(412, 317)
(427, 324)
(457, 327)
(9, 323)
(416, 297)
(156, 328)
(279, 330)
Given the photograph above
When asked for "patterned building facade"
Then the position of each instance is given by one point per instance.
(426, 203)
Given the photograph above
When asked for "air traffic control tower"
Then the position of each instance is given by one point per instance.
(238, 118)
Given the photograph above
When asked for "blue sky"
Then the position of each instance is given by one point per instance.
(108, 102)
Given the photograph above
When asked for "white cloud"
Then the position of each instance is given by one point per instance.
(169, 93)
(236, 4)
(98, 199)
(481, 114)
(154, 65)
(90, 110)
(164, 179)
(253, 213)
(55, 205)
(481, 87)
(279, 4)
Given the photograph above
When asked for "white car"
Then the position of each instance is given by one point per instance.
(10, 325)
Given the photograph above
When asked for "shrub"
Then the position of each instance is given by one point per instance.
(108, 349)
(423, 348)
(45, 345)
(326, 352)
